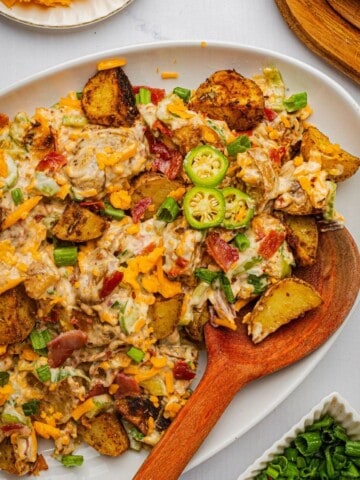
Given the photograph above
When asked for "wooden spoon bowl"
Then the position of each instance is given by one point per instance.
(234, 361)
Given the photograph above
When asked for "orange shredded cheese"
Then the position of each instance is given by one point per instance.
(5, 392)
(21, 212)
(46, 431)
(169, 75)
(120, 199)
(83, 408)
(3, 165)
(3, 349)
(8, 284)
(111, 63)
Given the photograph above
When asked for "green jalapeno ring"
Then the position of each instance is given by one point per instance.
(204, 207)
(239, 208)
(205, 165)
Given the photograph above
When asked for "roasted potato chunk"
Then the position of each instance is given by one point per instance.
(195, 329)
(154, 186)
(339, 164)
(106, 434)
(303, 238)
(137, 409)
(227, 95)
(17, 315)
(166, 314)
(78, 224)
(108, 99)
(282, 302)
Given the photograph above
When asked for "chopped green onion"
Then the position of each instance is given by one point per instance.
(242, 242)
(144, 96)
(239, 145)
(4, 378)
(295, 102)
(168, 210)
(76, 121)
(40, 338)
(31, 407)
(72, 460)
(44, 373)
(226, 287)
(352, 448)
(183, 93)
(79, 95)
(258, 282)
(206, 275)
(17, 196)
(308, 443)
(65, 256)
(135, 354)
(115, 213)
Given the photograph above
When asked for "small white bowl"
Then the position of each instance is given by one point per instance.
(334, 405)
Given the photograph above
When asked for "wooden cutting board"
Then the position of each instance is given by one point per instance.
(328, 30)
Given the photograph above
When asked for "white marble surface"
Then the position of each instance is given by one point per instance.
(25, 51)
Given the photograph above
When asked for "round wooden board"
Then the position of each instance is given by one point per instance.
(328, 34)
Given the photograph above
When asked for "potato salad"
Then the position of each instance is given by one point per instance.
(131, 217)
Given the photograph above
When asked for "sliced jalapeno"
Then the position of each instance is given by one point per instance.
(204, 207)
(206, 166)
(239, 208)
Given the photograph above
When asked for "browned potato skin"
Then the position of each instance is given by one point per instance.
(78, 224)
(195, 329)
(106, 434)
(284, 301)
(136, 409)
(154, 186)
(227, 95)
(108, 99)
(343, 162)
(166, 314)
(303, 238)
(17, 315)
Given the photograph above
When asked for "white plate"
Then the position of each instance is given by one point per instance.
(79, 14)
(335, 112)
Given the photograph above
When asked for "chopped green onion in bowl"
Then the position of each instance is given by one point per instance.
(324, 444)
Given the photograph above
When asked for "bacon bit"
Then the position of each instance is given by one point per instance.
(94, 206)
(110, 283)
(270, 115)
(4, 120)
(52, 162)
(97, 389)
(39, 465)
(139, 209)
(127, 385)
(271, 243)
(9, 428)
(178, 268)
(38, 218)
(62, 346)
(277, 154)
(53, 317)
(182, 371)
(148, 249)
(223, 253)
(166, 161)
(157, 94)
(158, 125)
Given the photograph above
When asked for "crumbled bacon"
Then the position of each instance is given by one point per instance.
(127, 385)
(167, 161)
(139, 209)
(271, 243)
(110, 283)
(182, 371)
(52, 162)
(62, 346)
(223, 253)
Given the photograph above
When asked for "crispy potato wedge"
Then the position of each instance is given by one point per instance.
(195, 329)
(303, 238)
(339, 164)
(78, 224)
(137, 409)
(227, 95)
(108, 99)
(282, 302)
(165, 314)
(106, 434)
(154, 186)
(17, 315)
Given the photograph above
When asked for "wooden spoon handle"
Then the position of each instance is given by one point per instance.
(191, 426)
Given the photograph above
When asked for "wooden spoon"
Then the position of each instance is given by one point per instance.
(234, 361)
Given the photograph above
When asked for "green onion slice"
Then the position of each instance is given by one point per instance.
(226, 287)
(295, 102)
(44, 373)
(65, 256)
(4, 378)
(168, 210)
(17, 196)
(183, 93)
(143, 96)
(72, 460)
(31, 407)
(242, 242)
(206, 275)
(135, 354)
(115, 213)
(40, 338)
(239, 145)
